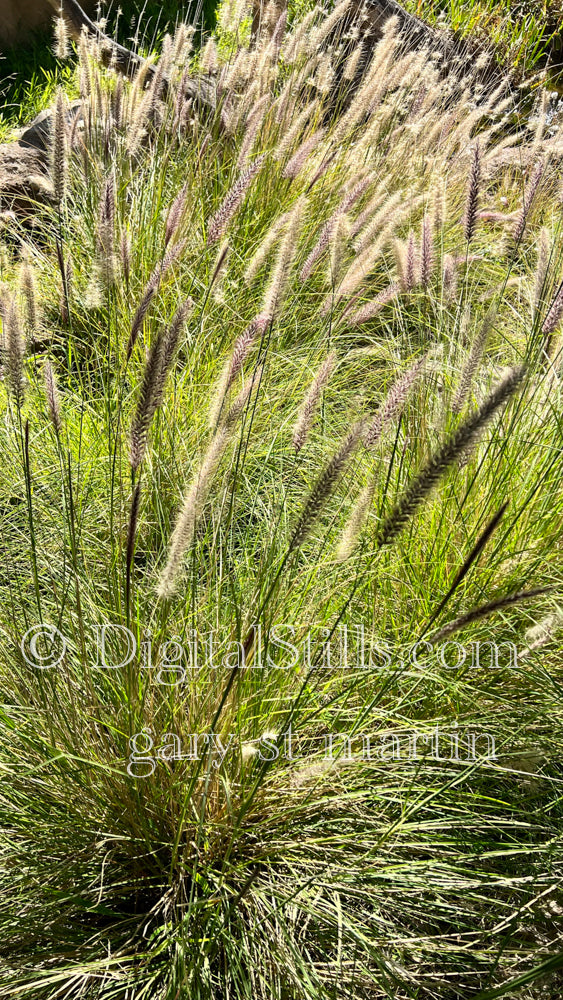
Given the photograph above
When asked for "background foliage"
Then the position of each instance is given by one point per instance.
(355, 284)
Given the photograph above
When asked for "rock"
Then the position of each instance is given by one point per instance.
(37, 134)
(24, 178)
(25, 165)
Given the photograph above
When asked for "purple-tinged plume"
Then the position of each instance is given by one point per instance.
(233, 200)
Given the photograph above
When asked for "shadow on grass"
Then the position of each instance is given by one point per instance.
(30, 73)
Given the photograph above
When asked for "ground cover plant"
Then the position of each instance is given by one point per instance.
(281, 400)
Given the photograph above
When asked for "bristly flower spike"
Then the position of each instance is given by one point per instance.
(308, 408)
(52, 394)
(472, 198)
(232, 201)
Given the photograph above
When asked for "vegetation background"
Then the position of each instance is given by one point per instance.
(301, 363)
(525, 33)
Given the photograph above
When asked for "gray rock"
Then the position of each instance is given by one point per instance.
(37, 134)
(24, 178)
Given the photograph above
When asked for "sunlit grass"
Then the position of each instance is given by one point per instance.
(268, 878)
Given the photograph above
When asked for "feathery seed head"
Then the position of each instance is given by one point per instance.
(555, 313)
(400, 254)
(394, 403)
(318, 35)
(427, 256)
(266, 245)
(386, 208)
(59, 148)
(324, 486)
(61, 48)
(300, 157)
(140, 314)
(275, 292)
(28, 288)
(308, 408)
(296, 44)
(295, 130)
(320, 247)
(324, 75)
(338, 243)
(472, 197)
(234, 365)
(411, 263)
(220, 267)
(52, 394)
(529, 195)
(475, 355)
(172, 254)
(174, 217)
(183, 45)
(253, 126)
(190, 512)
(438, 463)
(157, 367)
(106, 229)
(353, 62)
(278, 33)
(237, 408)
(15, 351)
(194, 501)
(355, 523)
(357, 272)
(450, 276)
(371, 309)
(233, 200)
(542, 266)
(85, 80)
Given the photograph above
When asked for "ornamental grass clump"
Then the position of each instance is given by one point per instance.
(281, 500)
